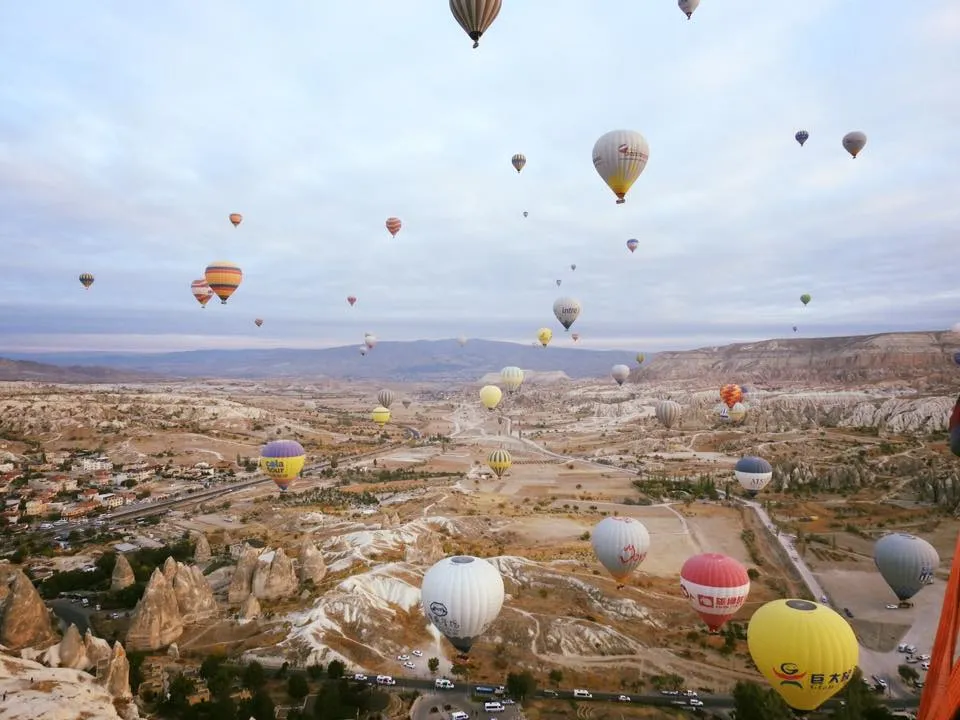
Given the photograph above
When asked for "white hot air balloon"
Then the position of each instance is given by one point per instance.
(620, 373)
(620, 544)
(462, 340)
(512, 378)
(753, 473)
(566, 310)
(462, 596)
(668, 412)
(854, 142)
(688, 6)
(370, 340)
(619, 157)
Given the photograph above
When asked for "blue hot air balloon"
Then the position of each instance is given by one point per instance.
(753, 473)
(632, 244)
(801, 137)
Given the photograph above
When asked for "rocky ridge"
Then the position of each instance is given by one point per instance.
(175, 596)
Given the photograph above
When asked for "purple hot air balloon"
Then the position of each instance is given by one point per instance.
(632, 244)
(283, 461)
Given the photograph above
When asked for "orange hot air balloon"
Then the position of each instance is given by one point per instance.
(393, 225)
(223, 278)
(201, 291)
(731, 395)
(352, 300)
(236, 219)
(258, 322)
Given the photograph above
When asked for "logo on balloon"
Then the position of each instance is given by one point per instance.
(629, 555)
(629, 152)
(438, 609)
(790, 674)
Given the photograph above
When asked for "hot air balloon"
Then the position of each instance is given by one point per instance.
(854, 142)
(620, 544)
(236, 219)
(475, 16)
(805, 299)
(462, 596)
(737, 413)
(518, 161)
(525, 213)
(490, 396)
(352, 300)
(716, 587)
(731, 395)
(632, 244)
(544, 335)
(807, 651)
(370, 340)
(620, 373)
(86, 279)
(575, 337)
(380, 415)
(801, 137)
(566, 310)
(499, 461)
(406, 403)
(640, 358)
(955, 441)
(201, 291)
(558, 282)
(386, 397)
(794, 328)
(619, 157)
(462, 340)
(282, 461)
(688, 6)
(393, 225)
(512, 378)
(223, 278)
(573, 267)
(906, 562)
(753, 474)
(956, 358)
(668, 412)
(258, 322)
(363, 350)
(724, 412)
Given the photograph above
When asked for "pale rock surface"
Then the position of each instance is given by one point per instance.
(72, 651)
(426, 550)
(241, 583)
(250, 609)
(169, 567)
(122, 574)
(116, 678)
(173, 651)
(97, 649)
(194, 595)
(156, 620)
(24, 619)
(312, 566)
(201, 552)
(274, 577)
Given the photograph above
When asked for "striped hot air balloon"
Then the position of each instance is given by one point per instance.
(393, 225)
(201, 291)
(224, 278)
(518, 161)
(86, 279)
(475, 16)
(499, 461)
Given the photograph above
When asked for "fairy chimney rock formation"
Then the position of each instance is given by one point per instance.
(24, 620)
(97, 649)
(169, 567)
(156, 620)
(274, 576)
(427, 550)
(116, 679)
(312, 566)
(73, 651)
(242, 580)
(122, 574)
(250, 609)
(201, 552)
(195, 599)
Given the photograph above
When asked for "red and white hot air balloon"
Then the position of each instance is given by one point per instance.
(716, 586)
(393, 225)
(351, 299)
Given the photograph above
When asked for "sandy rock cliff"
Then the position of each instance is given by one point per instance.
(201, 552)
(274, 577)
(122, 574)
(156, 620)
(24, 619)
(312, 566)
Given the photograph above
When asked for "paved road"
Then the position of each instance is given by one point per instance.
(72, 613)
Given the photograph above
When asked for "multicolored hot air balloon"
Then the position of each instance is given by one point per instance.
(688, 6)
(380, 415)
(566, 310)
(86, 279)
(393, 225)
(753, 473)
(544, 335)
(475, 16)
(620, 373)
(737, 413)
(223, 278)
(518, 161)
(352, 300)
(490, 396)
(499, 461)
(906, 562)
(716, 587)
(805, 299)
(632, 244)
(258, 322)
(668, 412)
(386, 397)
(619, 157)
(801, 137)
(807, 651)
(620, 544)
(854, 142)
(236, 219)
(512, 378)
(201, 291)
(462, 596)
(282, 461)
(731, 395)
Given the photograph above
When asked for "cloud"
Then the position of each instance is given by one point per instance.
(128, 135)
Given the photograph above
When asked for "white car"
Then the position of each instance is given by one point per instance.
(923, 658)
(359, 676)
(624, 698)
(417, 653)
(695, 702)
(925, 666)
(409, 665)
(891, 607)
(403, 657)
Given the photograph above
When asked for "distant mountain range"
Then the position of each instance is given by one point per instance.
(419, 360)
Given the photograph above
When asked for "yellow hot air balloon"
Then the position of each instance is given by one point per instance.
(806, 651)
(512, 378)
(499, 461)
(640, 358)
(380, 415)
(282, 461)
(545, 335)
(223, 278)
(490, 396)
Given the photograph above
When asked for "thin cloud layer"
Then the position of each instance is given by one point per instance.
(128, 134)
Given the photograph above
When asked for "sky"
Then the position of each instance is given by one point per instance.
(129, 132)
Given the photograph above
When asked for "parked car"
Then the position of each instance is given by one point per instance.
(624, 698)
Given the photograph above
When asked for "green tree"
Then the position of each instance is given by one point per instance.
(210, 665)
(175, 704)
(460, 670)
(315, 671)
(556, 677)
(908, 673)
(260, 707)
(753, 702)
(254, 677)
(521, 685)
(336, 669)
(860, 702)
(297, 687)
(433, 664)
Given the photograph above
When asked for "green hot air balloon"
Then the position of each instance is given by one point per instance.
(805, 298)
(906, 562)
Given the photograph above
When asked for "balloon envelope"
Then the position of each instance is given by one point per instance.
(801, 137)
(688, 6)
(620, 544)
(224, 278)
(633, 245)
(854, 142)
(716, 587)
(566, 310)
(805, 298)
(236, 219)
(753, 473)
(620, 373)
(906, 562)
(619, 157)
(545, 335)
(668, 412)
(86, 279)
(201, 291)
(731, 395)
(282, 461)
(393, 225)
(511, 377)
(475, 16)
(462, 596)
(518, 161)
(806, 651)
(499, 461)
(490, 396)
(386, 397)
(380, 415)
